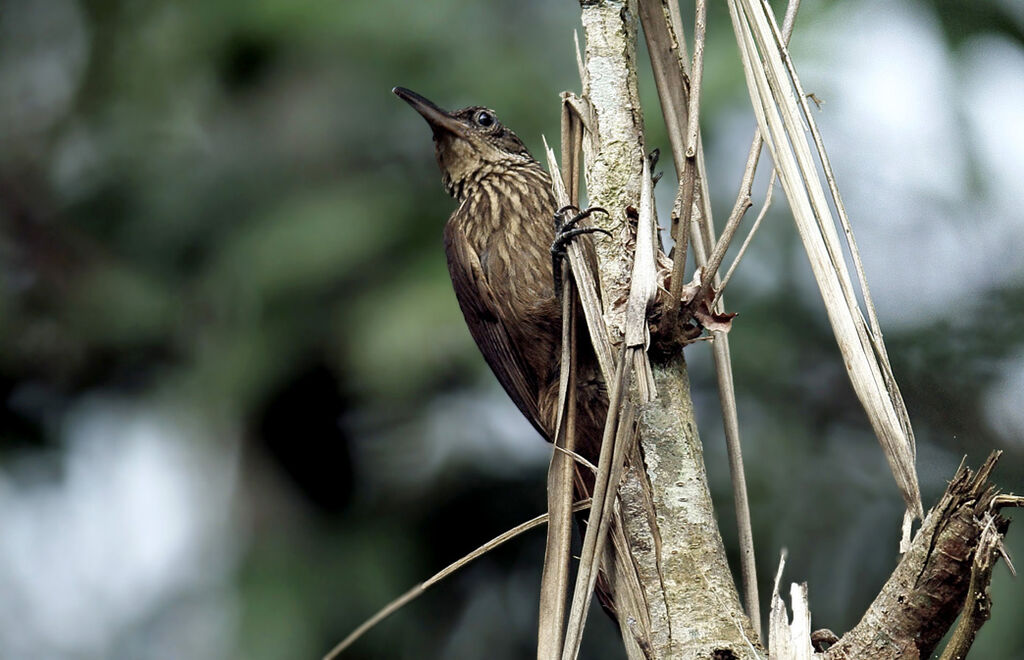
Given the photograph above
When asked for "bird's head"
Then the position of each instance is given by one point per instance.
(469, 143)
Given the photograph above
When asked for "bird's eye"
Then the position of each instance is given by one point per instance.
(484, 119)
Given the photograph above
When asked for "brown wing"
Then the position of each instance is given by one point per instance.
(481, 310)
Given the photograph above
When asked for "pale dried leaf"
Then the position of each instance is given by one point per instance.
(643, 284)
(778, 115)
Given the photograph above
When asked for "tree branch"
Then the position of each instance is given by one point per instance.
(925, 593)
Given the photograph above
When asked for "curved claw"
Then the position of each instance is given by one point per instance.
(559, 217)
(558, 246)
(580, 216)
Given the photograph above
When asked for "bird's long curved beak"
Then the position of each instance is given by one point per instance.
(440, 120)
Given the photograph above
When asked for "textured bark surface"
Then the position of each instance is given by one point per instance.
(692, 609)
(923, 596)
(615, 149)
(704, 611)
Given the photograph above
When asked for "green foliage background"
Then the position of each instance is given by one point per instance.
(219, 209)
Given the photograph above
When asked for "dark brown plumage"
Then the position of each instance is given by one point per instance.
(498, 243)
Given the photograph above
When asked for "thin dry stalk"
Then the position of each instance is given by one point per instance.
(422, 587)
(555, 574)
(750, 236)
(696, 77)
(743, 202)
(666, 45)
(681, 219)
(739, 209)
(597, 522)
(557, 550)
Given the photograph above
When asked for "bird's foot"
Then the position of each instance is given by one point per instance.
(565, 232)
(562, 225)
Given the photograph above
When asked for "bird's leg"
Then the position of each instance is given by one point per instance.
(566, 231)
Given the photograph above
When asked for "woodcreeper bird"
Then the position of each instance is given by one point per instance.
(499, 243)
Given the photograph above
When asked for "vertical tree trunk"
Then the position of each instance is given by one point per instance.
(693, 608)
